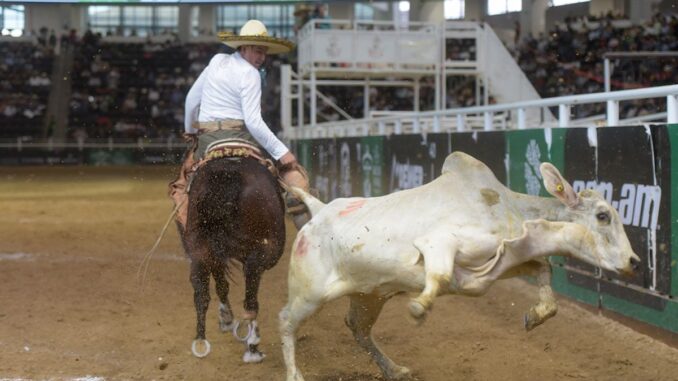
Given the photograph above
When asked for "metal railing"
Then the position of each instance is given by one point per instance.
(499, 116)
(50, 144)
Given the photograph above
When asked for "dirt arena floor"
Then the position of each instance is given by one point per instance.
(71, 240)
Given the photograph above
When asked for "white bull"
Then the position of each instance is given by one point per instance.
(457, 234)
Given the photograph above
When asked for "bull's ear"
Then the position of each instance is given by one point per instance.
(557, 186)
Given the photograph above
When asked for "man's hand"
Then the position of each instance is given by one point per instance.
(189, 138)
(287, 158)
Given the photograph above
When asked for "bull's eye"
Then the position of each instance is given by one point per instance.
(603, 217)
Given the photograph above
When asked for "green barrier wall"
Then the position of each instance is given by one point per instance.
(526, 150)
(673, 138)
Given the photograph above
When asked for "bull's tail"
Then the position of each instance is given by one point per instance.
(313, 204)
(219, 208)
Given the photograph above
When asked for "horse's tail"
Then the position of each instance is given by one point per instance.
(314, 205)
(220, 207)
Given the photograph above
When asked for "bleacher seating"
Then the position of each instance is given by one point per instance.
(569, 60)
(25, 72)
(137, 90)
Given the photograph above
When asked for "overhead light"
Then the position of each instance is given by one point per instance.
(404, 6)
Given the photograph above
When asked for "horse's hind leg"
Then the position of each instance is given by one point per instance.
(201, 298)
(364, 311)
(226, 322)
(252, 270)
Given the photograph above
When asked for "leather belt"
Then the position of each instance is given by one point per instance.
(226, 124)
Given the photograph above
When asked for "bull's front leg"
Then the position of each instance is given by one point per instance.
(438, 249)
(547, 306)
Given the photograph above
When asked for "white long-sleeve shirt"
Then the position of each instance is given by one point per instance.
(230, 88)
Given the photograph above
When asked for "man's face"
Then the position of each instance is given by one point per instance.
(254, 54)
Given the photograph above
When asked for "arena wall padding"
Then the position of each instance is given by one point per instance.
(672, 130)
(91, 156)
(488, 147)
(409, 163)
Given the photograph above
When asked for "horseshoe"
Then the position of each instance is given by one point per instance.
(194, 349)
(250, 331)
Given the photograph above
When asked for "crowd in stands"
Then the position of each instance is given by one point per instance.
(137, 90)
(132, 90)
(25, 79)
(569, 60)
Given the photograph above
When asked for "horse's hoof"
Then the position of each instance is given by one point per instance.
(253, 357)
(398, 373)
(417, 311)
(226, 327)
(236, 331)
(201, 348)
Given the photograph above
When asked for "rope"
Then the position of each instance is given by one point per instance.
(145, 262)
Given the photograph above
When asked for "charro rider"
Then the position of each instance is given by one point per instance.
(225, 103)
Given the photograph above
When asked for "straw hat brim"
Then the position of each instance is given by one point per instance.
(275, 45)
(302, 9)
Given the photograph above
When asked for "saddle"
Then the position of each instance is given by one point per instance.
(234, 147)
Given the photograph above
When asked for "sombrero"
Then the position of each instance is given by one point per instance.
(301, 9)
(254, 33)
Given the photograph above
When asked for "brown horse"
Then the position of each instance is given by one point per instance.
(235, 213)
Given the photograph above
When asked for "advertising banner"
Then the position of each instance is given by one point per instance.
(413, 160)
(100, 157)
(672, 130)
(371, 156)
(303, 151)
(487, 146)
(350, 170)
(324, 165)
(527, 149)
(630, 168)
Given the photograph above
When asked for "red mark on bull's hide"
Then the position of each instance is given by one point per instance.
(302, 247)
(352, 207)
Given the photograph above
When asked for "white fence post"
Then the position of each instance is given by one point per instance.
(460, 122)
(436, 123)
(672, 109)
(489, 126)
(285, 98)
(522, 121)
(612, 113)
(563, 115)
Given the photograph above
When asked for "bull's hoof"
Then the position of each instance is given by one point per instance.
(253, 357)
(200, 348)
(417, 311)
(294, 376)
(398, 373)
(532, 319)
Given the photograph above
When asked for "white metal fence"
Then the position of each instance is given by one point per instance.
(500, 116)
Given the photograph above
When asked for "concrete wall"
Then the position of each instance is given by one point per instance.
(601, 7)
(55, 17)
(341, 10)
(555, 14)
(427, 10)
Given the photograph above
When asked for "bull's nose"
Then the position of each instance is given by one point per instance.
(631, 268)
(635, 263)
